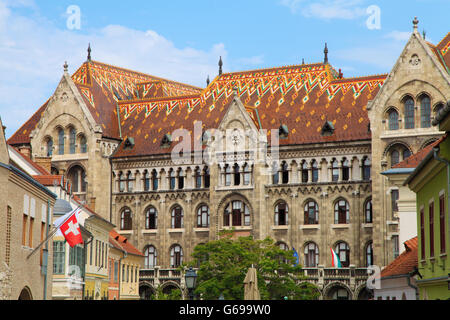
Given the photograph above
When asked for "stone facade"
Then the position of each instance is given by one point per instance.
(416, 76)
(261, 196)
(27, 210)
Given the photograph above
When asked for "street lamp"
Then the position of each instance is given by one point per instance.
(191, 279)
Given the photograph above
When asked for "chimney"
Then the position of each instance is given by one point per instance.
(92, 204)
(44, 162)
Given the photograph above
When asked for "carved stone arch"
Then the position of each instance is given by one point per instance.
(421, 94)
(393, 143)
(326, 290)
(168, 283)
(390, 108)
(359, 289)
(427, 143)
(230, 197)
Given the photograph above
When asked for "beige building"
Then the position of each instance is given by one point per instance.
(400, 116)
(116, 134)
(27, 207)
(125, 264)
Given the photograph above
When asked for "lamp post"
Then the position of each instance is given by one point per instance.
(191, 279)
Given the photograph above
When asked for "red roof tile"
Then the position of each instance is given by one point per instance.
(405, 263)
(122, 243)
(302, 97)
(414, 160)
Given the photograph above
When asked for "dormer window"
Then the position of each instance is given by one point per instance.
(166, 141)
(327, 129)
(283, 131)
(128, 144)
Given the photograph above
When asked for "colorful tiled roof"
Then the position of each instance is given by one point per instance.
(120, 242)
(443, 50)
(302, 97)
(404, 263)
(22, 135)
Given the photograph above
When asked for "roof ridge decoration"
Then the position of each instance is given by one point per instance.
(260, 82)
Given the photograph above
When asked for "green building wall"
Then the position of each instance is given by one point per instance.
(435, 271)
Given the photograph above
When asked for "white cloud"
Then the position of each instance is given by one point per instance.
(33, 51)
(398, 35)
(327, 9)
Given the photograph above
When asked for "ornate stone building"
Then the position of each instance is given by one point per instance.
(284, 152)
(400, 116)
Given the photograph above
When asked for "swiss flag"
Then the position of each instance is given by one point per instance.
(71, 230)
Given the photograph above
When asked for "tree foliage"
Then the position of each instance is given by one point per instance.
(223, 264)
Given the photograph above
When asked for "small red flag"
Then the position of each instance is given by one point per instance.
(71, 231)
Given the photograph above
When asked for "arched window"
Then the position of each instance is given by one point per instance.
(369, 254)
(305, 172)
(177, 218)
(83, 144)
(49, 144)
(176, 256)
(198, 178)
(281, 214)
(315, 171)
(146, 181)
(284, 172)
(409, 113)
(61, 141)
(343, 252)
(172, 179)
(237, 212)
(341, 212)
(150, 257)
(345, 170)
(130, 181)
(247, 174)
(425, 112)
(151, 218)
(368, 211)
(72, 139)
(335, 170)
(154, 180)
(283, 246)
(206, 177)
(275, 174)
(395, 158)
(122, 180)
(227, 175)
(366, 169)
(438, 107)
(311, 255)
(237, 175)
(311, 212)
(393, 119)
(203, 217)
(180, 179)
(126, 221)
(77, 177)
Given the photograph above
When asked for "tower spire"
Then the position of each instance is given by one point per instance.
(220, 65)
(89, 52)
(415, 24)
(325, 51)
(66, 67)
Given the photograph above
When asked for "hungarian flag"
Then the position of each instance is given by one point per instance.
(69, 228)
(335, 262)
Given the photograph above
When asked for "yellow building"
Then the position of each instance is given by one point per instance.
(125, 263)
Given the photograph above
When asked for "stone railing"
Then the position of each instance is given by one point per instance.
(352, 278)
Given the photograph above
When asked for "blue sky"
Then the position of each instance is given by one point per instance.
(182, 40)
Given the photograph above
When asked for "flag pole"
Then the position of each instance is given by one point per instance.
(52, 233)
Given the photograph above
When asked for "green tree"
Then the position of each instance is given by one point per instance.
(223, 264)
